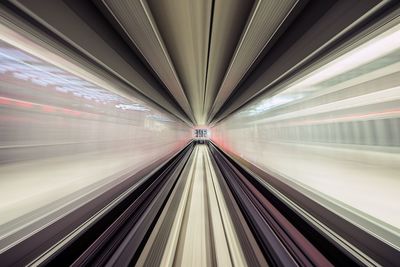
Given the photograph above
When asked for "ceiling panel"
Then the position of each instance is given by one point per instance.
(93, 38)
(320, 27)
(201, 60)
(229, 20)
(264, 21)
(185, 29)
(136, 20)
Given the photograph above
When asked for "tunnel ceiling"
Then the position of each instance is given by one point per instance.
(199, 60)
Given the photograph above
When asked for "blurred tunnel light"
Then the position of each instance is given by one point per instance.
(380, 46)
(335, 133)
(67, 136)
(385, 44)
(30, 51)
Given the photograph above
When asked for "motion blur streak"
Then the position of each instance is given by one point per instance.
(206, 205)
(199, 133)
(62, 138)
(333, 134)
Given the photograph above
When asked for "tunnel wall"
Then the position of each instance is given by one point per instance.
(334, 131)
(63, 136)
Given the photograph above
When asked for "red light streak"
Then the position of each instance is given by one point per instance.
(22, 104)
(45, 108)
(49, 109)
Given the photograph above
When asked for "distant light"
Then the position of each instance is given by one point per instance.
(136, 107)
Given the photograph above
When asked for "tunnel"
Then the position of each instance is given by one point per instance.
(199, 133)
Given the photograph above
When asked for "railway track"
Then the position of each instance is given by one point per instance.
(197, 229)
(282, 244)
(201, 208)
(117, 238)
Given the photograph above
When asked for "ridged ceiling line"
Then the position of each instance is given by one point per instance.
(229, 20)
(185, 30)
(135, 19)
(266, 19)
(84, 36)
(321, 35)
